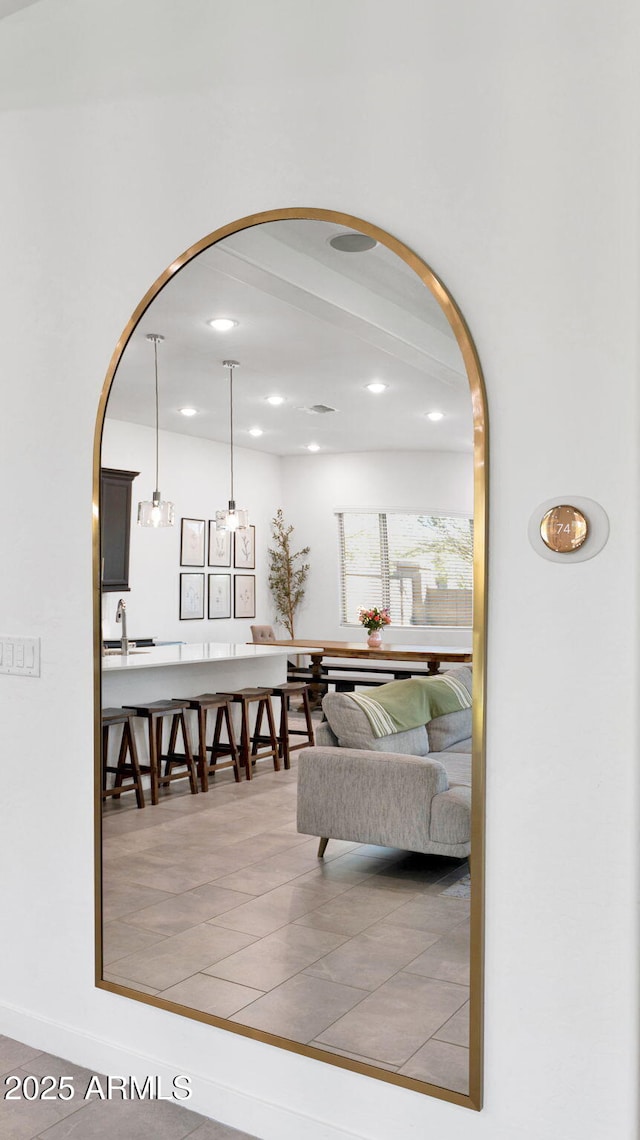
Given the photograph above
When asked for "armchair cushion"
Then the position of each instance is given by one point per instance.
(450, 814)
(457, 765)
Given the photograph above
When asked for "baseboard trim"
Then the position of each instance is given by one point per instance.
(231, 1106)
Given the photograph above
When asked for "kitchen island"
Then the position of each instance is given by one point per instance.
(162, 672)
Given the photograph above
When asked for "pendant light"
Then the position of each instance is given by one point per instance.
(234, 518)
(155, 513)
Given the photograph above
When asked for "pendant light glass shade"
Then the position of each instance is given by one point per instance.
(157, 512)
(233, 518)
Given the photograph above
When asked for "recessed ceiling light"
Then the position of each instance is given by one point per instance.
(255, 431)
(313, 447)
(435, 416)
(376, 387)
(222, 324)
(352, 243)
(275, 400)
(188, 411)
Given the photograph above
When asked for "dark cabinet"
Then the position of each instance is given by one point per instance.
(115, 526)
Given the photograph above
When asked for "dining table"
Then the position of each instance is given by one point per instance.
(318, 648)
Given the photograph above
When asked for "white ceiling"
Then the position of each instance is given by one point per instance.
(315, 325)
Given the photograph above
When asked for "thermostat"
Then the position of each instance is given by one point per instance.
(568, 529)
(564, 529)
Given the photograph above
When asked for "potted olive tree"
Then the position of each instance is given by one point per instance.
(287, 573)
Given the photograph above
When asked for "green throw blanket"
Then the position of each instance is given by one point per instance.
(401, 705)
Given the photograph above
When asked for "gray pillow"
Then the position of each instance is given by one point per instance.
(349, 723)
(351, 727)
(445, 731)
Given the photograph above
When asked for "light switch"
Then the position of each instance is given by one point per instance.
(20, 656)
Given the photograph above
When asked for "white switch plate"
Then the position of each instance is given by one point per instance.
(20, 656)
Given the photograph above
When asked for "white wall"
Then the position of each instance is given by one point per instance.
(310, 489)
(194, 475)
(316, 486)
(500, 140)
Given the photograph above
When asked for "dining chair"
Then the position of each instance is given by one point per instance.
(261, 633)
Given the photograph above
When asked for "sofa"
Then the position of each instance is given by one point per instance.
(408, 790)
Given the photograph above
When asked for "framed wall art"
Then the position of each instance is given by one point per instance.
(191, 597)
(244, 549)
(219, 596)
(192, 542)
(219, 546)
(244, 596)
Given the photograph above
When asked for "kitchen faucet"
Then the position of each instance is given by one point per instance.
(121, 615)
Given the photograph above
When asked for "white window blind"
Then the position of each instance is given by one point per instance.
(420, 566)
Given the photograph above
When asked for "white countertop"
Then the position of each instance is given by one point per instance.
(197, 653)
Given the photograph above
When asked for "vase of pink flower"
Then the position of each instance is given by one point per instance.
(374, 621)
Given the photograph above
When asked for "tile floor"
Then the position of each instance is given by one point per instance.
(78, 1118)
(216, 902)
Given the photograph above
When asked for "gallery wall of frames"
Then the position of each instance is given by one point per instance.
(218, 594)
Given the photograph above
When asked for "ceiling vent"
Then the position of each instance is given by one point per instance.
(317, 410)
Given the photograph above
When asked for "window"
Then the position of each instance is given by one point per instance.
(420, 566)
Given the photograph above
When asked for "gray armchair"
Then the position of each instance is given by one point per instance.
(410, 790)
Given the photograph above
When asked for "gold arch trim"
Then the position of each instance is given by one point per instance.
(481, 455)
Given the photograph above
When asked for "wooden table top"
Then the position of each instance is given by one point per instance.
(384, 652)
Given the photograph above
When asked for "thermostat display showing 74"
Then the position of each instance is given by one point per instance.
(564, 528)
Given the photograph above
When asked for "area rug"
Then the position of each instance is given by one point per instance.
(461, 889)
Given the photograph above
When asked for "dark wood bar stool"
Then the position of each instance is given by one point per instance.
(124, 766)
(203, 704)
(154, 712)
(285, 692)
(251, 743)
